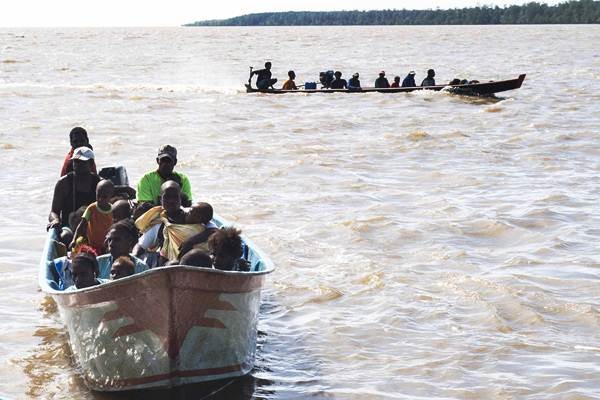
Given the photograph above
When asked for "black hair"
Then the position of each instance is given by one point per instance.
(226, 241)
(127, 227)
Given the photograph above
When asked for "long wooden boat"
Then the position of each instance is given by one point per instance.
(477, 89)
(164, 327)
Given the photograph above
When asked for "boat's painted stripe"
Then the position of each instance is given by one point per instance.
(176, 374)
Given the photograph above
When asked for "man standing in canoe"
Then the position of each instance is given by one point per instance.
(263, 80)
(148, 189)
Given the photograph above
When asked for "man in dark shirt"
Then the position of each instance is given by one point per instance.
(409, 81)
(382, 82)
(263, 80)
(338, 82)
(429, 81)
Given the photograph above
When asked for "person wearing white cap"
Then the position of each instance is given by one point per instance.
(409, 81)
(75, 189)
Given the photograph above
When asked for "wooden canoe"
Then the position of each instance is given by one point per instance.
(164, 327)
(477, 89)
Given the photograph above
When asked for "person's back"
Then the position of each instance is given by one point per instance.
(409, 80)
(382, 82)
(196, 258)
(290, 84)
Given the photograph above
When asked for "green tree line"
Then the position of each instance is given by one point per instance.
(571, 12)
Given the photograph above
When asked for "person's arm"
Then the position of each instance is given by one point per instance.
(80, 231)
(57, 205)
(186, 188)
(193, 240)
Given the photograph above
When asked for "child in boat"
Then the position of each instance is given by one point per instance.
(97, 218)
(225, 246)
(121, 238)
(199, 213)
(121, 210)
(84, 269)
(196, 258)
(122, 267)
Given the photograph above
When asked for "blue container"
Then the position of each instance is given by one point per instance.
(310, 85)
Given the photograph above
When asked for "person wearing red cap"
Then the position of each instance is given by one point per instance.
(382, 82)
(148, 189)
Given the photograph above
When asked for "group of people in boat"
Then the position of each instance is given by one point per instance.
(108, 230)
(334, 80)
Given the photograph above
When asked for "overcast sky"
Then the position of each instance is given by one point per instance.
(88, 13)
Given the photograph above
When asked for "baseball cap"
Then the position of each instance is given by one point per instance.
(382, 73)
(411, 73)
(82, 153)
(167, 151)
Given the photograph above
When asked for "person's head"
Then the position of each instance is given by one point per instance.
(196, 258)
(200, 213)
(122, 267)
(82, 158)
(382, 74)
(430, 73)
(121, 238)
(121, 210)
(141, 208)
(455, 81)
(292, 74)
(170, 197)
(78, 137)
(338, 74)
(396, 79)
(355, 75)
(268, 65)
(104, 191)
(225, 246)
(84, 268)
(166, 160)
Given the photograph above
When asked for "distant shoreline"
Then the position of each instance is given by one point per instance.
(571, 12)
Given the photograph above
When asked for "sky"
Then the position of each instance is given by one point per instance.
(114, 13)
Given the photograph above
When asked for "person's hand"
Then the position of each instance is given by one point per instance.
(54, 224)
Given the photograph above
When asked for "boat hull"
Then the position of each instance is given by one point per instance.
(164, 327)
(478, 89)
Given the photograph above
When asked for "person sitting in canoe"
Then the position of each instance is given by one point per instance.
(163, 227)
(97, 218)
(122, 267)
(225, 246)
(325, 78)
(148, 189)
(75, 189)
(382, 82)
(354, 83)
(338, 82)
(84, 269)
(396, 82)
(429, 81)
(78, 138)
(409, 80)
(263, 79)
(290, 84)
(120, 240)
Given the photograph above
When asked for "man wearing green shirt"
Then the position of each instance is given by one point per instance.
(148, 189)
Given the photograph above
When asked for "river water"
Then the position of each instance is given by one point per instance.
(427, 245)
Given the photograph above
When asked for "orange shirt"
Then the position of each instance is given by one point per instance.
(99, 222)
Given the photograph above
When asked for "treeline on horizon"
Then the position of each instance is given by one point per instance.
(571, 12)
